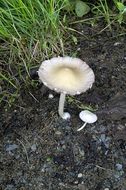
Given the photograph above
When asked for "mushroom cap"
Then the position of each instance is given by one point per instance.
(66, 74)
(87, 116)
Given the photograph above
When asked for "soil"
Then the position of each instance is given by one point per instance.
(40, 151)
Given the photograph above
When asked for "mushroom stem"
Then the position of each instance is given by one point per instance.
(61, 104)
(64, 115)
(82, 127)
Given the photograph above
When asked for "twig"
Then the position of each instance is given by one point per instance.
(35, 48)
(33, 97)
(24, 150)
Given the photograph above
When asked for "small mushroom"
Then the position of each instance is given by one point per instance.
(87, 117)
(66, 75)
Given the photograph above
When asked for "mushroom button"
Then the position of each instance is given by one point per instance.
(66, 75)
(87, 117)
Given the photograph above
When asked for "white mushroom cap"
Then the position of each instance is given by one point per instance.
(87, 116)
(67, 75)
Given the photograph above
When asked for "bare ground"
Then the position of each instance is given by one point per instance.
(40, 151)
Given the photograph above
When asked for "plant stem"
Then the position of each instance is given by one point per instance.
(61, 104)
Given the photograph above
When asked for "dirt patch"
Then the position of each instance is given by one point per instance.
(41, 151)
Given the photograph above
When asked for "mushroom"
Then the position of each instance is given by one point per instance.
(66, 75)
(87, 117)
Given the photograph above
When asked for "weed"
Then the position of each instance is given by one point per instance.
(121, 7)
(110, 12)
(102, 9)
(33, 30)
(80, 105)
(30, 32)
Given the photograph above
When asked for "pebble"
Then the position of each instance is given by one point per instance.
(50, 96)
(33, 147)
(10, 187)
(64, 147)
(17, 156)
(117, 43)
(102, 129)
(80, 175)
(119, 167)
(68, 127)
(105, 140)
(11, 147)
(41, 184)
(103, 137)
(58, 133)
(78, 49)
(121, 127)
(106, 189)
(82, 153)
(76, 182)
(61, 184)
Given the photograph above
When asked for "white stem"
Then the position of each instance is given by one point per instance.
(61, 104)
(82, 127)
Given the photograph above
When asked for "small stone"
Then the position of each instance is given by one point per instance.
(30, 184)
(10, 187)
(121, 127)
(78, 49)
(17, 156)
(117, 43)
(80, 175)
(76, 182)
(50, 96)
(41, 184)
(43, 170)
(106, 189)
(68, 127)
(102, 137)
(61, 184)
(102, 129)
(119, 167)
(33, 147)
(62, 142)
(82, 153)
(64, 147)
(11, 147)
(58, 133)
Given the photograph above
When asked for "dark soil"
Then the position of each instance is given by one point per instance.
(40, 151)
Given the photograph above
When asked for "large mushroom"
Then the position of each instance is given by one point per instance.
(66, 75)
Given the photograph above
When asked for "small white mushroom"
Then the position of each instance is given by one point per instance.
(51, 96)
(87, 117)
(66, 75)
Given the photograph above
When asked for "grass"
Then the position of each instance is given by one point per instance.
(102, 9)
(112, 13)
(20, 18)
(80, 105)
(32, 31)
